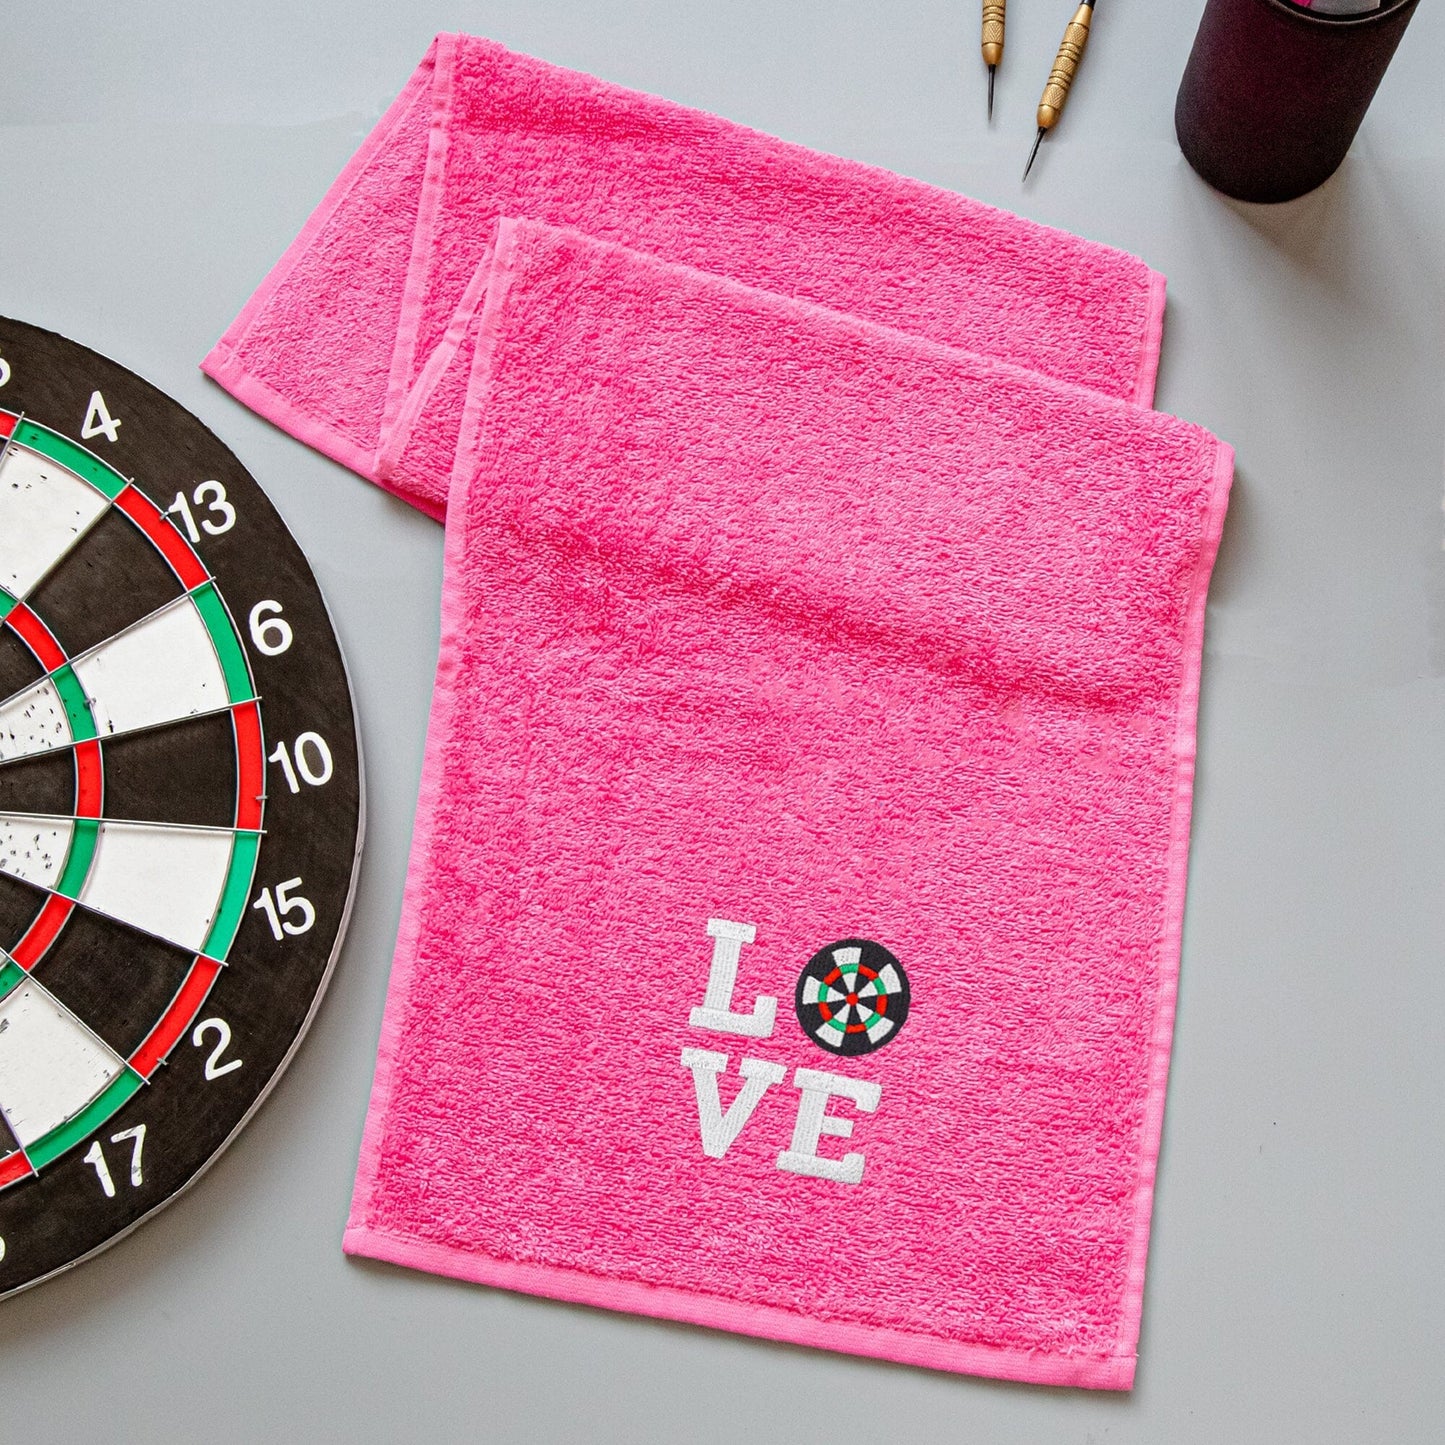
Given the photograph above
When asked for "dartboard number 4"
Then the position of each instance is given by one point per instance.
(218, 516)
(286, 911)
(95, 1157)
(312, 764)
(98, 421)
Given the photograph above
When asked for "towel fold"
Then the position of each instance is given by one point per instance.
(793, 918)
(344, 340)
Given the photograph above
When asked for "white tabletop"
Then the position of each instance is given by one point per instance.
(155, 160)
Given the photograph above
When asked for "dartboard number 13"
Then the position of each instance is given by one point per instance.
(180, 799)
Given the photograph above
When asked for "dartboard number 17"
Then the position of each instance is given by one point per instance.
(180, 799)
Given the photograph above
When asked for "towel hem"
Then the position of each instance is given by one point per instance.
(394, 444)
(1171, 945)
(227, 370)
(576, 1286)
(1148, 379)
(403, 373)
(491, 279)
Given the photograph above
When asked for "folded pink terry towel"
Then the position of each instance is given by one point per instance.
(344, 340)
(793, 921)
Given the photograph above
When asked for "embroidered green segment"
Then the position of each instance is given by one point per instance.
(6, 603)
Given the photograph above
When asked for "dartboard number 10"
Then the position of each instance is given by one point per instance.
(180, 799)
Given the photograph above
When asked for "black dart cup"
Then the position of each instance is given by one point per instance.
(1274, 93)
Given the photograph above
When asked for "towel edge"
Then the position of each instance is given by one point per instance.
(1161, 1034)
(571, 1286)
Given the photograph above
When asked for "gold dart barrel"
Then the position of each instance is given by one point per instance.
(993, 13)
(1066, 66)
(992, 43)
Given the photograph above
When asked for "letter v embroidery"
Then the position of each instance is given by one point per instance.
(719, 1129)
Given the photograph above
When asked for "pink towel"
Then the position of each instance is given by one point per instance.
(793, 922)
(344, 340)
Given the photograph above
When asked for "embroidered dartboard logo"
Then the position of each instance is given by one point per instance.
(852, 997)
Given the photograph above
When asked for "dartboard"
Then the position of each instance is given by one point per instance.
(180, 799)
(852, 997)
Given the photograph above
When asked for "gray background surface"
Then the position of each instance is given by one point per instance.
(155, 158)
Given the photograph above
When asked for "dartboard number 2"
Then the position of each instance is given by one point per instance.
(211, 496)
(95, 1157)
(98, 421)
(222, 1030)
(281, 909)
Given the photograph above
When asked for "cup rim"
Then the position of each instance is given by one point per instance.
(1300, 15)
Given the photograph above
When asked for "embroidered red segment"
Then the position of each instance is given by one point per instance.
(176, 550)
(42, 933)
(177, 1018)
(7, 422)
(250, 765)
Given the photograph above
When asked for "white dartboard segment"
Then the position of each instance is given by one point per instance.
(33, 721)
(164, 881)
(44, 511)
(34, 849)
(161, 670)
(51, 1067)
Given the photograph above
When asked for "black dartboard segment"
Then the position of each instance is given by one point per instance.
(852, 997)
(180, 799)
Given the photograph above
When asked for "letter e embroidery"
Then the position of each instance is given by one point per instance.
(814, 1121)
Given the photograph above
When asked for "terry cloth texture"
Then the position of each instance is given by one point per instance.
(344, 340)
(793, 920)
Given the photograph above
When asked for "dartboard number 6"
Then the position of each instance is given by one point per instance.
(269, 630)
(286, 911)
(212, 497)
(95, 1157)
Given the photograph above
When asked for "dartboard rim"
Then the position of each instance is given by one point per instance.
(353, 874)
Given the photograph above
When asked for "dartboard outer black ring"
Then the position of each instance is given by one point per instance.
(141, 1025)
(852, 997)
